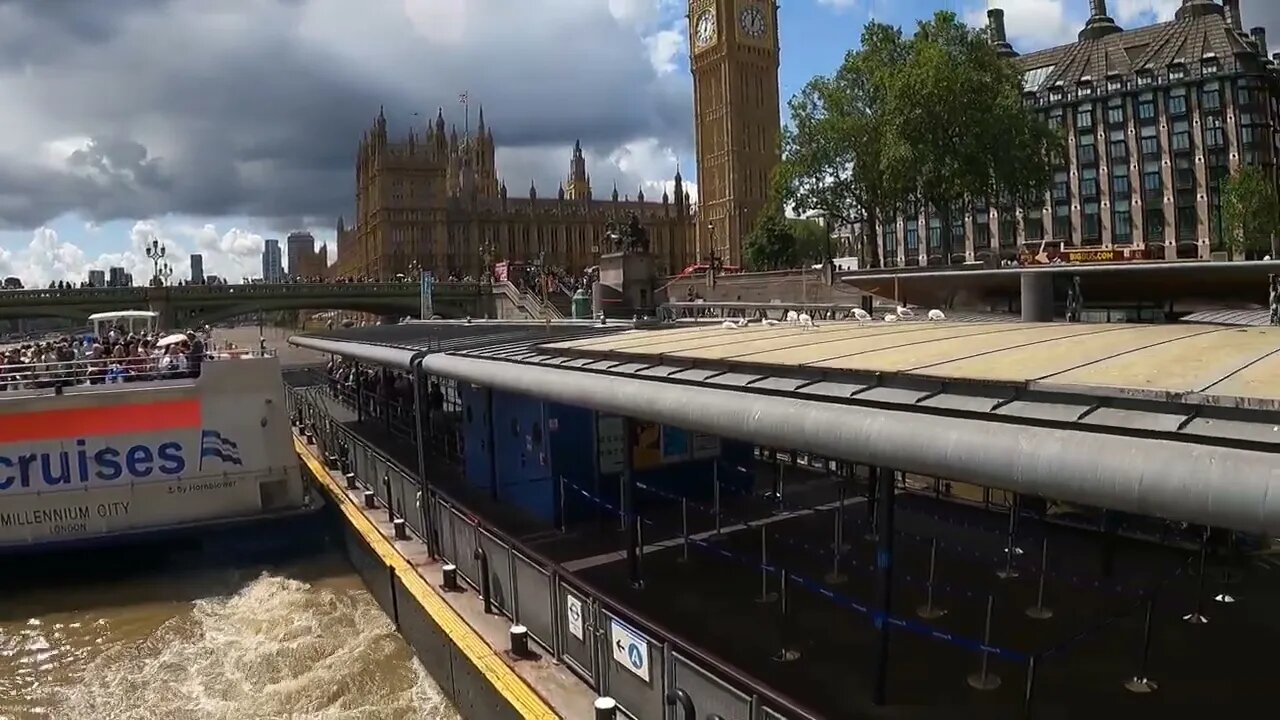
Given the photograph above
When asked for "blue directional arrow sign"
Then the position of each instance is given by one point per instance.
(630, 649)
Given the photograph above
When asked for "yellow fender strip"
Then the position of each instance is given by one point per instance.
(511, 686)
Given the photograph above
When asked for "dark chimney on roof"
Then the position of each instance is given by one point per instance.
(996, 33)
(1231, 8)
(1259, 35)
(1100, 24)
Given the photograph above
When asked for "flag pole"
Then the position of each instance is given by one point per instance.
(466, 117)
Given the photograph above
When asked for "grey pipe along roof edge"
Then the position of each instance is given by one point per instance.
(1227, 487)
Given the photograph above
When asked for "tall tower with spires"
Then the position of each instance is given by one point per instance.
(578, 184)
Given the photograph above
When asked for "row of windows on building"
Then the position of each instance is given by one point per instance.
(1138, 115)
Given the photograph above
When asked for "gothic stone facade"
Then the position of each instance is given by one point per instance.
(435, 202)
(1154, 118)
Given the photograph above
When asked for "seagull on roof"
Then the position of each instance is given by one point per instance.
(890, 317)
(861, 315)
(936, 314)
(904, 312)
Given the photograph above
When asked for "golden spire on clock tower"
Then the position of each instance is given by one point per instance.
(737, 118)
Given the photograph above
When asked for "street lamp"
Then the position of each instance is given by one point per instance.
(155, 253)
(164, 271)
(486, 257)
(542, 274)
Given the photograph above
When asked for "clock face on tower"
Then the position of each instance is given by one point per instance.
(752, 20)
(704, 29)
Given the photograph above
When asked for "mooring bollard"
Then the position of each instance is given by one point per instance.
(400, 531)
(1039, 611)
(984, 679)
(449, 578)
(351, 480)
(929, 611)
(765, 595)
(370, 500)
(606, 708)
(519, 635)
(1140, 683)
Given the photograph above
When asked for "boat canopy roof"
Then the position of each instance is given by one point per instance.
(124, 315)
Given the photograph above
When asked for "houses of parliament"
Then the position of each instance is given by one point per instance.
(431, 200)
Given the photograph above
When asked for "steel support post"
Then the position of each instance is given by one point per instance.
(883, 480)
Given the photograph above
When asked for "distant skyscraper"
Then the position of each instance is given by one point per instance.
(304, 259)
(117, 277)
(197, 269)
(272, 268)
(97, 278)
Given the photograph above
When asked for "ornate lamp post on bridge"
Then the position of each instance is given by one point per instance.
(156, 253)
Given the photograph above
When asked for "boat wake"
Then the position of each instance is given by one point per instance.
(278, 648)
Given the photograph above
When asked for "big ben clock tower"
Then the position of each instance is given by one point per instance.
(734, 59)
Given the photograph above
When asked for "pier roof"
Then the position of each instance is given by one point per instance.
(1187, 362)
(1177, 421)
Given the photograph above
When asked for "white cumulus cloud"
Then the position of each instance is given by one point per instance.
(233, 253)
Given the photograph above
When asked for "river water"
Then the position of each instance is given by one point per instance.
(300, 642)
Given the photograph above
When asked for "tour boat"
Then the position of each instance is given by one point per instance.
(84, 462)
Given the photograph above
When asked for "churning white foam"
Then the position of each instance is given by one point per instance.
(278, 648)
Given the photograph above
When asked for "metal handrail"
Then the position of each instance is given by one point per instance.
(654, 629)
(47, 374)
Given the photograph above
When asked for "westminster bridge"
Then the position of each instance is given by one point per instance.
(189, 305)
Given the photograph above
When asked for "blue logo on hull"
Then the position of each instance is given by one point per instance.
(83, 464)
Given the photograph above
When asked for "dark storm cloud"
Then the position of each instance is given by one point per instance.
(45, 26)
(188, 116)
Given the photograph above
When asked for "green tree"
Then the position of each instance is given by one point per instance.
(770, 246)
(956, 126)
(811, 240)
(1250, 212)
(833, 151)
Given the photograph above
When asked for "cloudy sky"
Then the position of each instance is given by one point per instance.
(211, 125)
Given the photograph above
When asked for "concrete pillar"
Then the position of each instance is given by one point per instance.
(1037, 297)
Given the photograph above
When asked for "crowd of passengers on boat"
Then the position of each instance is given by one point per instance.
(117, 356)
